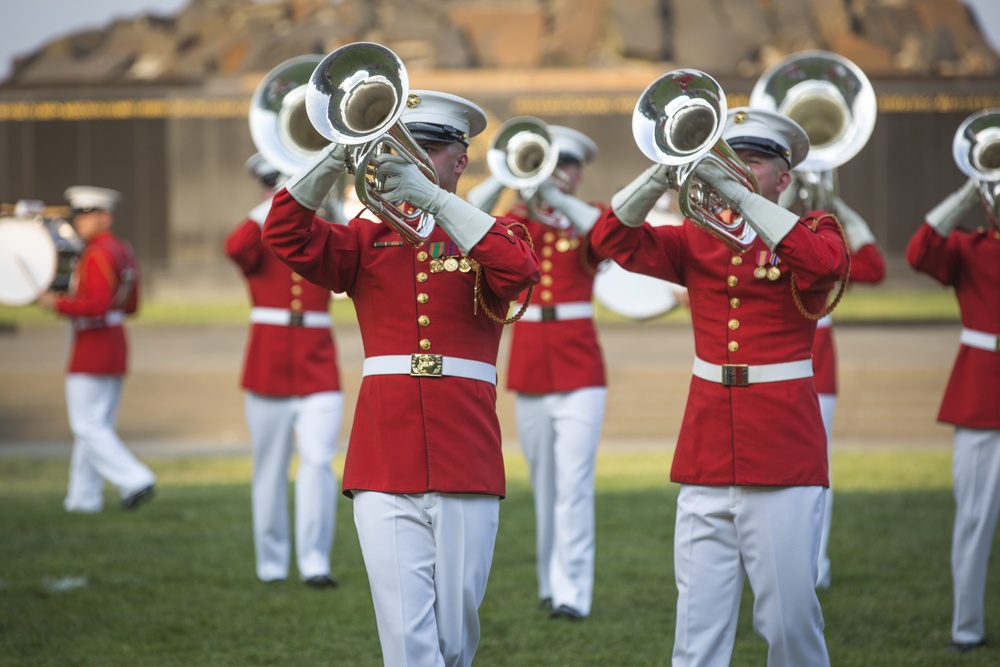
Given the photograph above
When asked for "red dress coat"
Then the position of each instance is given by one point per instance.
(767, 434)
(868, 267)
(556, 356)
(970, 263)
(106, 279)
(282, 360)
(413, 434)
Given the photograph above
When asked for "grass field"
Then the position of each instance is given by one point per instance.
(172, 584)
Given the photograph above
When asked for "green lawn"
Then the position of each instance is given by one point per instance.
(172, 584)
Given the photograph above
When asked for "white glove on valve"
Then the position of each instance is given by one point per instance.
(403, 181)
(580, 214)
(770, 220)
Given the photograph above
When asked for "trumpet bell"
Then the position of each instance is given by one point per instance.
(279, 124)
(357, 93)
(678, 121)
(976, 149)
(829, 97)
(356, 96)
(522, 154)
(976, 145)
(680, 117)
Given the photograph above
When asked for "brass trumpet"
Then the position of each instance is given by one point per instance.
(678, 121)
(976, 149)
(355, 97)
(522, 156)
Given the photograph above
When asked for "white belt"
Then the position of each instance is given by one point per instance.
(429, 365)
(824, 322)
(560, 311)
(286, 318)
(980, 340)
(109, 319)
(741, 375)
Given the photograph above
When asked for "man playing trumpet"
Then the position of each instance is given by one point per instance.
(751, 453)
(969, 261)
(557, 369)
(424, 464)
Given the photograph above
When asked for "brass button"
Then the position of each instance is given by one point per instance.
(733, 346)
(546, 265)
(547, 251)
(296, 289)
(546, 281)
(296, 304)
(421, 277)
(510, 232)
(546, 295)
(548, 237)
(422, 256)
(732, 280)
(296, 277)
(423, 320)
(734, 325)
(423, 298)
(425, 345)
(734, 303)
(737, 260)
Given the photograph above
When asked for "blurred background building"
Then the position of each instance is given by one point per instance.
(156, 106)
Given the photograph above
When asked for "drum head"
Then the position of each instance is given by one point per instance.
(633, 295)
(27, 260)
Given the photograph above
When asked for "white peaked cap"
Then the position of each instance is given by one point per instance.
(767, 132)
(574, 143)
(88, 198)
(433, 116)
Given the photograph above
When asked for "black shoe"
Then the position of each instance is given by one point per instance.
(545, 604)
(321, 581)
(562, 611)
(958, 647)
(132, 501)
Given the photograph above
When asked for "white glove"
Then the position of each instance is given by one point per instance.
(580, 214)
(770, 220)
(403, 181)
(945, 216)
(858, 233)
(633, 203)
(311, 184)
(485, 195)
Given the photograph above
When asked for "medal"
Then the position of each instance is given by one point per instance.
(464, 265)
(437, 266)
(450, 264)
(760, 273)
(773, 273)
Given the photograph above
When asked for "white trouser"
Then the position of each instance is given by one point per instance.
(769, 535)
(559, 434)
(976, 470)
(315, 421)
(98, 452)
(428, 558)
(827, 406)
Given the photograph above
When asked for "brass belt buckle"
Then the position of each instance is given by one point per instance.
(426, 365)
(735, 375)
(296, 318)
(548, 313)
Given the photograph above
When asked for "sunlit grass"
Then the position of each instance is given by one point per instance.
(172, 583)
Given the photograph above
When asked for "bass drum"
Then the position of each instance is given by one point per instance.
(36, 255)
(634, 295)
